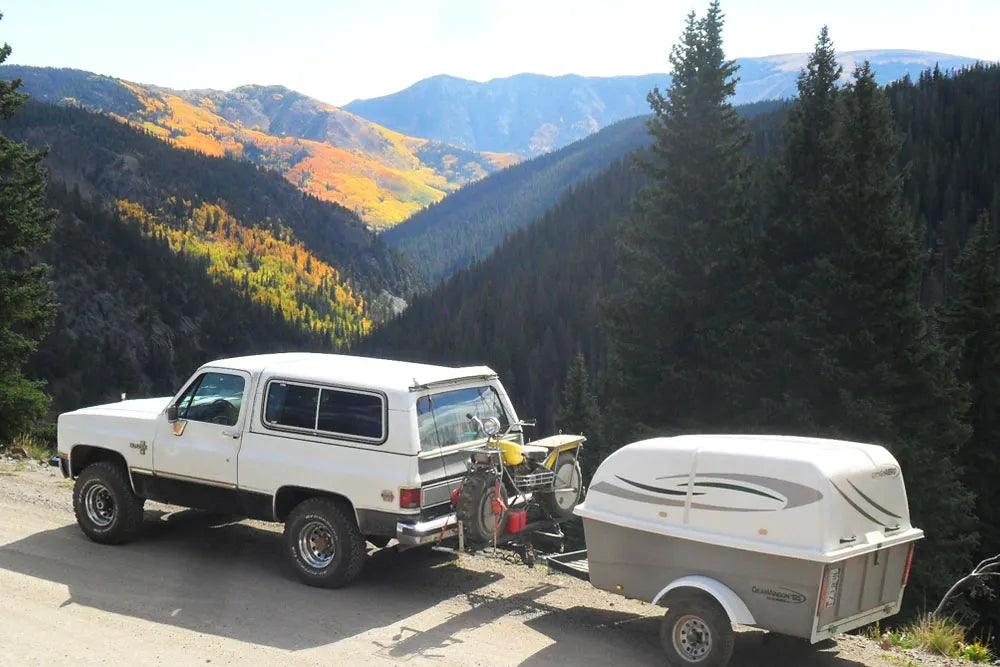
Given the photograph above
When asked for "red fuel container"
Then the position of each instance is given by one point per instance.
(516, 520)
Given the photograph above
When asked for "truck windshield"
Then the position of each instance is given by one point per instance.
(443, 421)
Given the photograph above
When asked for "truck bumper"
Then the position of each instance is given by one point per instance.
(412, 533)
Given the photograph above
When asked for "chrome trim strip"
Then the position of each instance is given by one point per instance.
(183, 478)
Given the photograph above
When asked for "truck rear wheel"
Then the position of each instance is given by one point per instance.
(696, 631)
(568, 488)
(325, 545)
(106, 508)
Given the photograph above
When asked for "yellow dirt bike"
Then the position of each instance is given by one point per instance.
(509, 482)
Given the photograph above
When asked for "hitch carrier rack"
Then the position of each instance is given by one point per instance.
(573, 563)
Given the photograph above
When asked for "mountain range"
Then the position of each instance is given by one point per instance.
(532, 114)
(334, 155)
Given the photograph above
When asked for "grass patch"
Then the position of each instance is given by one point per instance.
(27, 446)
(935, 634)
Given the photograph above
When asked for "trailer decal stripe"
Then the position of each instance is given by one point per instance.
(860, 511)
(744, 489)
(874, 504)
(656, 489)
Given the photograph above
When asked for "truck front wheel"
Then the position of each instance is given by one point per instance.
(106, 508)
(696, 631)
(325, 545)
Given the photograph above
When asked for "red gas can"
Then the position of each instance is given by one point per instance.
(516, 520)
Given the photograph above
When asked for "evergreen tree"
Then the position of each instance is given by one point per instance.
(26, 306)
(852, 354)
(579, 413)
(680, 259)
(972, 321)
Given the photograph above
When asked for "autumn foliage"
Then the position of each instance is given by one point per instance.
(271, 268)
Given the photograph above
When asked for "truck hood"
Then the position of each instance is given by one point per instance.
(136, 408)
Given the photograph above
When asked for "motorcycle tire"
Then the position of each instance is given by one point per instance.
(475, 507)
(559, 505)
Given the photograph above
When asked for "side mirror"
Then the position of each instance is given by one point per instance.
(171, 413)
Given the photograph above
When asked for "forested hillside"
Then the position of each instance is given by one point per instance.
(164, 258)
(532, 306)
(137, 317)
(470, 224)
(380, 174)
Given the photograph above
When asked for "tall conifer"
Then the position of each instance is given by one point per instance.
(25, 300)
(678, 257)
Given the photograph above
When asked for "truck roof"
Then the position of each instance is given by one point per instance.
(368, 372)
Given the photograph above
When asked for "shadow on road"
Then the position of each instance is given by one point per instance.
(210, 574)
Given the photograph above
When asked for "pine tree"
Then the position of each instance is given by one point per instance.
(851, 350)
(972, 322)
(26, 306)
(679, 258)
(579, 413)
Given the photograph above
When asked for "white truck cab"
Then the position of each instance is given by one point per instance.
(341, 449)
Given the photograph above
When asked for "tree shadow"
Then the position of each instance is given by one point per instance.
(214, 575)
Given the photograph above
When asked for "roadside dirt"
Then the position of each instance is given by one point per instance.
(203, 589)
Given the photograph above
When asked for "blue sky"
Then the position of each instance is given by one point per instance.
(340, 50)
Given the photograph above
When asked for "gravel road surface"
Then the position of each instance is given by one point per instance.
(200, 589)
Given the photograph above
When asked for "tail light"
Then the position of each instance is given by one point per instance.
(409, 498)
(909, 562)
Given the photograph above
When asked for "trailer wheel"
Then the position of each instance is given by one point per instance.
(696, 631)
(568, 488)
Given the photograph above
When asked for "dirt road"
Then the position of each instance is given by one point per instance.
(197, 589)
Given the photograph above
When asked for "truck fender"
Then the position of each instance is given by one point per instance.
(734, 606)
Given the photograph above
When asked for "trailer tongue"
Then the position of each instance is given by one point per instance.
(800, 536)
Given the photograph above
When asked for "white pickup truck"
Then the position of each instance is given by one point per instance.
(341, 449)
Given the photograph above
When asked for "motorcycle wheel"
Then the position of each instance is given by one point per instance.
(475, 507)
(560, 504)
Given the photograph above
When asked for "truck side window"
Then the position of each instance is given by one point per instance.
(213, 397)
(350, 413)
(291, 405)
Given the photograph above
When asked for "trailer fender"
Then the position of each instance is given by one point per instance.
(734, 606)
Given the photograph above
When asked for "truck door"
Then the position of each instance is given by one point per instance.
(202, 445)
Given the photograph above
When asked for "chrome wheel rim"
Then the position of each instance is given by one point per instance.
(692, 639)
(567, 477)
(491, 521)
(317, 544)
(99, 505)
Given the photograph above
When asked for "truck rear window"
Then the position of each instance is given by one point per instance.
(325, 410)
(443, 418)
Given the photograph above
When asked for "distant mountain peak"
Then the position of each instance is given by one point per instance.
(532, 113)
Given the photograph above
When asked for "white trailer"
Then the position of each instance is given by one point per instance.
(800, 536)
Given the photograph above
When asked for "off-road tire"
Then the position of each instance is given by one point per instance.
(549, 501)
(106, 508)
(474, 507)
(324, 544)
(696, 632)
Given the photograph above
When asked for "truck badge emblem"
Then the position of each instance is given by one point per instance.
(141, 446)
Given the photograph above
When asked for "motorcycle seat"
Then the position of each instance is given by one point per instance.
(535, 453)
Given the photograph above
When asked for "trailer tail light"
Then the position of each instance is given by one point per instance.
(828, 592)
(909, 562)
(409, 498)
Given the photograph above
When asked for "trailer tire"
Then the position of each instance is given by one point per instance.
(560, 506)
(474, 508)
(696, 631)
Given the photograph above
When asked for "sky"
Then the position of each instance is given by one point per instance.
(341, 50)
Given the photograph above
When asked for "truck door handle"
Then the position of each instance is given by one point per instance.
(231, 434)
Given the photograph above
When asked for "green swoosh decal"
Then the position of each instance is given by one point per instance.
(744, 489)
